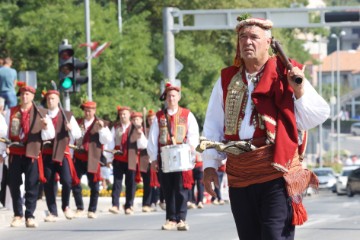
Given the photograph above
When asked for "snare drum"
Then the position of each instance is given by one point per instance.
(176, 158)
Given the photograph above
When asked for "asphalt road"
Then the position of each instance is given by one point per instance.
(331, 217)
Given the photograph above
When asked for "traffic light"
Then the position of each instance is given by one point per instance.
(69, 69)
(66, 67)
(344, 16)
(78, 78)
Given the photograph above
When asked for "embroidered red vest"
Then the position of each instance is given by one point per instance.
(32, 137)
(178, 123)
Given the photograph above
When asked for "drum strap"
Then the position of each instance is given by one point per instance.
(169, 127)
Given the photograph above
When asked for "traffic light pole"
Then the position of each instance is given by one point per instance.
(66, 101)
(88, 49)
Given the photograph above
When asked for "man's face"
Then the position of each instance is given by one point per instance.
(150, 120)
(26, 97)
(52, 101)
(89, 113)
(253, 43)
(137, 121)
(172, 98)
(124, 116)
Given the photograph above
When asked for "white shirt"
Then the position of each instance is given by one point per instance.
(192, 135)
(141, 143)
(310, 110)
(75, 132)
(3, 126)
(105, 136)
(3, 133)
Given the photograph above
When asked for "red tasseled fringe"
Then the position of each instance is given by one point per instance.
(187, 179)
(297, 181)
(154, 181)
(299, 213)
(74, 177)
(97, 175)
(137, 174)
(41, 169)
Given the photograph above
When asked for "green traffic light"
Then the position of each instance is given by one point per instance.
(67, 83)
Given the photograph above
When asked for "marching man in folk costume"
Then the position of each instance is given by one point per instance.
(128, 137)
(29, 126)
(88, 154)
(57, 157)
(148, 175)
(256, 100)
(174, 125)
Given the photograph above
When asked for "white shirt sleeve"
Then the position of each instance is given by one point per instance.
(75, 129)
(310, 109)
(105, 135)
(193, 131)
(142, 142)
(111, 145)
(214, 126)
(3, 133)
(7, 121)
(3, 126)
(109, 156)
(49, 132)
(152, 146)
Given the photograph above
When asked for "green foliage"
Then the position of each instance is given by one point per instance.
(126, 73)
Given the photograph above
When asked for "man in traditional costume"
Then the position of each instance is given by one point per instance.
(88, 154)
(129, 138)
(256, 100)
(57, 157)
(29, 126)
(174, 125)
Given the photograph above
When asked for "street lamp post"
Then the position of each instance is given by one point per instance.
(320, 92)
(342, 33)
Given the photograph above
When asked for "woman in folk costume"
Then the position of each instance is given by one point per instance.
(257, 100)
(174, 125)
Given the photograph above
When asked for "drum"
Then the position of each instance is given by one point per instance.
(176, 158)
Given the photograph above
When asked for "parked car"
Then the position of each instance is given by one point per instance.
(355, 129)
(353, 183)
(327, 178)
(342, 179)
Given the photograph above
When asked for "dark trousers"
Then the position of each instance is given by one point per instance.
(119, 169)
(161, 189)
(262, 211)
(146, 200)
(217, 190)
(155, 191)
(81, 169)
(50, 187)
(17, 166)
(198, 176)
(176, 196)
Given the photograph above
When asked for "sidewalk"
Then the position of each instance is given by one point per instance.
(104, 203)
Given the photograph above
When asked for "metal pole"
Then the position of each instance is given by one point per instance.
(66, 101)
(88, 49)
(338, 95)
(332, 102)
(169, 45)
(320, 92)
(119, 16)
